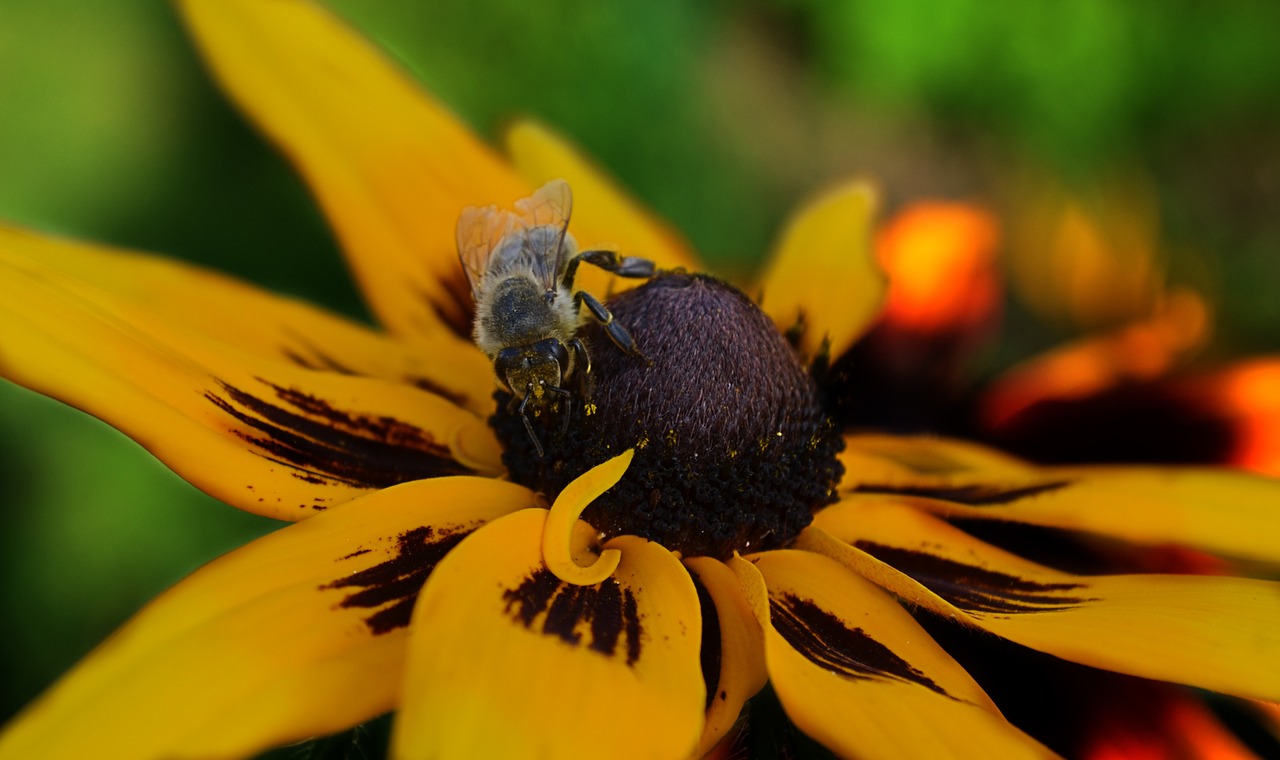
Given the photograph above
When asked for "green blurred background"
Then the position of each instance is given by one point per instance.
(721, 115)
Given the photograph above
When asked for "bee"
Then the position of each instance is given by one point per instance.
(521, 266)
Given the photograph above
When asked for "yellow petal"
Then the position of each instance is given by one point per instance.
(391, 167)
(268, 437)
(732, 648)
(508, 661)
(297, 634)
(855, 671)
(604, 215)
(823, 273)
(895, 459)
(1213, 632)
(1221, 511)
(559, 548)
(258, 322)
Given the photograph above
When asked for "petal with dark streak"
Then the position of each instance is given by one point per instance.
(1213, 632)
(856, 672)
(1230, 513)
(257, 322)
(297, 634)
(732, 647)
(268, 437)
(551, 669)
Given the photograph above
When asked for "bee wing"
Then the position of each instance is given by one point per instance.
(548, 207)
(480, 230)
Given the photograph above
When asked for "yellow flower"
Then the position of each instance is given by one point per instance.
(417, 579)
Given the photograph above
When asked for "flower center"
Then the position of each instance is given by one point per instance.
(733, 452)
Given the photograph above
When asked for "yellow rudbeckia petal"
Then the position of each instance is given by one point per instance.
(391, 166)
(895, 459)
(823, 273)
(733, 648)
(560, 550)
(1223, 511)
(855, 671)
(256, 321)
(297, 634)
(1214, 632)
(508, 661)
(603, 214)
(268, 437)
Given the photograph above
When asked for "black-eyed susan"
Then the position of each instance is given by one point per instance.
(734, 536)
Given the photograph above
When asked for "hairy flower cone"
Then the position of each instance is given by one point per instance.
(733, 450)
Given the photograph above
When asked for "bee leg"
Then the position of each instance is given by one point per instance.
(611, 261)
(580, 356)
(616, 332)
(528, 426)
(567, 412)
(561, 392)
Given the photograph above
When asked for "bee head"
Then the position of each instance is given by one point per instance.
(533, 369)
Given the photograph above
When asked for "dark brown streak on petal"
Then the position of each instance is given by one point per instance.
(316, 359)
(711, 649)
(322, 443)
(567, 608)
(604, 613)
(975, 495)
(430, 386)
(826, 641)
(604, 633)
(391, 587)
(457, 318)
(976, 589)
(631, 621)
(532, 597)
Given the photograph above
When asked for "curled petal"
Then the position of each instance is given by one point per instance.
(559, 549)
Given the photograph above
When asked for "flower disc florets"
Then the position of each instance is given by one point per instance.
(733, 450)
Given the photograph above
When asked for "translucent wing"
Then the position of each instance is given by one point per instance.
(532, 239)
(480, 231)
(545, 216)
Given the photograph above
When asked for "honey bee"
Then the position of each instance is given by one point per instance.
(521, 266)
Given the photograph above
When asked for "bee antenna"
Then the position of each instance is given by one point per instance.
(528, 426)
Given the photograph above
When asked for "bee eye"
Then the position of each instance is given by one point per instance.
(555, 349)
